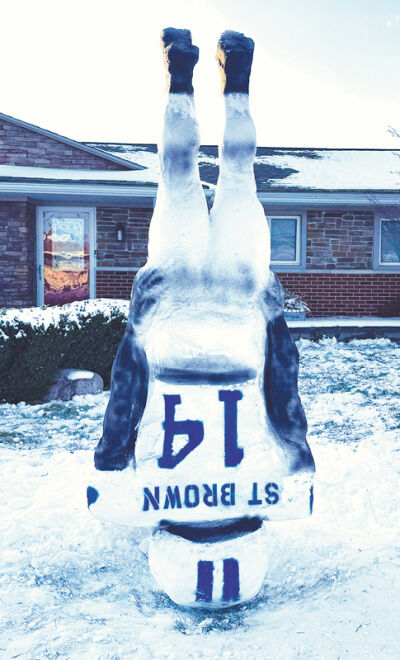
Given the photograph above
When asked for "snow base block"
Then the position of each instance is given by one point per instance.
(217, 573)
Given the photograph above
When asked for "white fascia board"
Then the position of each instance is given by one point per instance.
(367, 198)
(270, 198)
(81, 189)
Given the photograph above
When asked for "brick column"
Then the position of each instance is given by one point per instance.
(17, 254)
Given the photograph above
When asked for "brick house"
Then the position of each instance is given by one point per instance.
(74, 219)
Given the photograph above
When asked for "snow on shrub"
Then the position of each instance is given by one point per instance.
(36, 342)
(45, 316)
(294, 303)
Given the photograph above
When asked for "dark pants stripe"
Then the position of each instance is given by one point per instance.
(231, 580)
(204, 581)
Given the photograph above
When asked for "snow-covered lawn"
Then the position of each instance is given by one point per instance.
(73, 587)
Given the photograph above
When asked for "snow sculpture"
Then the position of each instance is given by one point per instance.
(205, 435)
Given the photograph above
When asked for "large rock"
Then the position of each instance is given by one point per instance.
(69, 382)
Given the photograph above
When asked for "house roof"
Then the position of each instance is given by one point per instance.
(72, 143)
(283, 169)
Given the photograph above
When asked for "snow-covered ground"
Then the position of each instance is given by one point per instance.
(73, 587)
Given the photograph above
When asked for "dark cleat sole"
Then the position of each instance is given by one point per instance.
(235, 57)
(181, 56)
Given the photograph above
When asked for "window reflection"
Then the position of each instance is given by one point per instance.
(283, 239)
(390, 241)
(66, 259)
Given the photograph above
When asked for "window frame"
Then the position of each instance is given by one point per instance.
(300, 240)
(378, 265)
(388, 264)
(41, 211)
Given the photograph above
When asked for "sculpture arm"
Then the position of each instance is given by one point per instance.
(129, 382)
(282, 400)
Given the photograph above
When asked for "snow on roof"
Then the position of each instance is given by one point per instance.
(290, 169)
(146, 155)
(21, 173)
(149, 172)
(276, 169)
(336, 169)
(141, 154)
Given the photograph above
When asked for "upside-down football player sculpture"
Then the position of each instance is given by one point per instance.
(205, 436)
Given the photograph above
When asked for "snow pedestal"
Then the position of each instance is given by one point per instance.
(215, 571)
(205, 436)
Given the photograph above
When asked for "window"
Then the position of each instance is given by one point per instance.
(285, 239)
(389, 242)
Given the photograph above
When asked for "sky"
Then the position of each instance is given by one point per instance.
(325, 72)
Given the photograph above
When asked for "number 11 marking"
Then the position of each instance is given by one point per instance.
(205, 581)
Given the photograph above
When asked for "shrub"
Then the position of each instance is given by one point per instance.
(294, 303)
(30, 355)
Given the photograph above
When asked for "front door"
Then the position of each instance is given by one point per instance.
(65, 255)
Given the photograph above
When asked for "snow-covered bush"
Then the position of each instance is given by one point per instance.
(36, 342)
(294, 303)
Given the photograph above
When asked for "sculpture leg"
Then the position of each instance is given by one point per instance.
(180, 224)
(240, 236)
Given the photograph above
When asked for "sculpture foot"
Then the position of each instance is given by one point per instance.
(235, 57)
(181, 56)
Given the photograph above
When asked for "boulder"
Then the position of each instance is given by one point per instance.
(69, 382)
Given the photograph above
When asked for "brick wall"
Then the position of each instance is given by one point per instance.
(343, 240)
(21, 146)
(17, 254)
(114, 284)
(327, 294)
(340, 239)
(132, 251)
